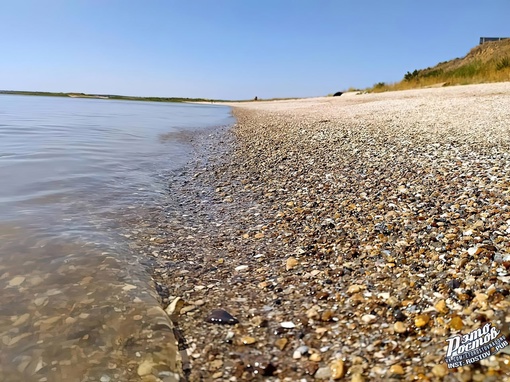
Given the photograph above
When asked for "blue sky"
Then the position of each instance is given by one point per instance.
(233, 49)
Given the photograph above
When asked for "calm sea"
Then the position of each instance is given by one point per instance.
(76, 303)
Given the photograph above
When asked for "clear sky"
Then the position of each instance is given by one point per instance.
(233, 49)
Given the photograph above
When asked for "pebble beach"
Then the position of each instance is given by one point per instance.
(348, 238)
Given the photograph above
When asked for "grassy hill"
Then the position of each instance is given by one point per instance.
(489, 62)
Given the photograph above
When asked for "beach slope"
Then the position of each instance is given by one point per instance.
(349, 236)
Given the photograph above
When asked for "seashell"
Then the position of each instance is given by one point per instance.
(222, 317)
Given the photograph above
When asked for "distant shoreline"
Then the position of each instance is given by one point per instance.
(109, 96)
(204, 101)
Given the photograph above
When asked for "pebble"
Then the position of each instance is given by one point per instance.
(291, 263)
(456, 323)
(259, 322)
(421, 320)
(288, 325)
(145, 368)
(21, 319)
(281, 343)
(354, 289)
(396, 369)
(337, 369)
(229, 336)
(311, 368)
(300, 351)
(440, 306)
(473, 251)
(454, 284)
(18, 280)
(440, 370)
(313, 312)
(248, 340)
(315, 357)
(216, 375)
(322, 295)
(187, 309)
(323, 373)
(368, 318)
(399, 327)
(327, 315)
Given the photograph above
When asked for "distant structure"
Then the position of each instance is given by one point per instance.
(487, 39)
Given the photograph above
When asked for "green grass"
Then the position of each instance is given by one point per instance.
(503, 63)
(467, 71)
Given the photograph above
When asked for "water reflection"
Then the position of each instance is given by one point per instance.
(71, 313)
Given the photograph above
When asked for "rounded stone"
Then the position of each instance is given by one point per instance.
(421, 320)
(456, 323)
(291, 263)
(337, 369)
(440, 370)
(399, 327)
(396, 369)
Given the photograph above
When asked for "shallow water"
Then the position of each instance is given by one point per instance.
(77, 305)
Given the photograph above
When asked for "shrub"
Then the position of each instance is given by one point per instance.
(411, 76)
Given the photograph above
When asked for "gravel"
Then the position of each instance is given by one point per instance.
(376, 224)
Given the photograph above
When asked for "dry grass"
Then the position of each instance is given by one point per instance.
(485, 63)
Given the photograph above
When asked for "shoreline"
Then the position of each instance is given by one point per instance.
(373, 228)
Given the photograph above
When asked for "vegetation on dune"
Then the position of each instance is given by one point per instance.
(489, 62)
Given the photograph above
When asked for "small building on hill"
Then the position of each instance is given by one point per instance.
(487, 39)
